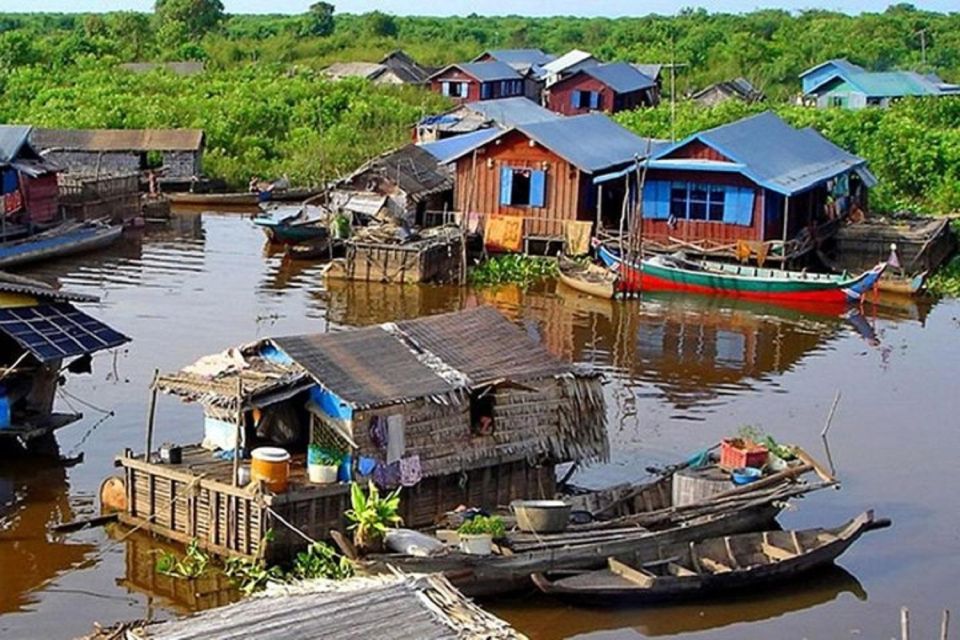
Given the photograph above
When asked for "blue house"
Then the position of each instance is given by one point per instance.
(840, 83)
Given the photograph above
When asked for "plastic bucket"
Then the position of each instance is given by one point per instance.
(477, 544)
(272, 465)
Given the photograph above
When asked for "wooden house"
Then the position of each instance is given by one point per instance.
(840, 83)
(610, 87)
(567, 64)
(458, 408)
(473, 81)
(40, 329)
(473, 116)
(736, 89)
(28, 184)
(538, 175)
(757, 185)
(394, 68)
(528, 63)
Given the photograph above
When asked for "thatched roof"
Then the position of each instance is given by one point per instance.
(426, 607)
(413, 170)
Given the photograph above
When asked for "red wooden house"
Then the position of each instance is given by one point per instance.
(540, 172)
(473, 81)
(28, 183)
(612, 87)
(757, 182)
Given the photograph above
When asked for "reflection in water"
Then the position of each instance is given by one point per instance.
(545, 619)
(32, 497)
(680, 370)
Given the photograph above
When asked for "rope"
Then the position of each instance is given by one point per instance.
(288, 525)
(66, 396)
(13, 367)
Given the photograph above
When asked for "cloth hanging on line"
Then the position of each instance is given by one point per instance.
(395, 438)
(410, 471)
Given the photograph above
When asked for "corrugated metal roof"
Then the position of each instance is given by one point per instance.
(652, 71)
(414, 170)
(12, 139)
(354, 70)
(484, 71)
(519, 57)
(118, 139)
(841, 64)
(405, 67)
(619, 76)
(738, 87)
(774, 154)
(10, 283)
(567, 60)
(591, 142)
(892, 84)
(509, 112)
(386, 364)
(449, 149)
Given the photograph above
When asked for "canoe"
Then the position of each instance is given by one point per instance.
(587, 278)
(636, 521)
(317, 249)
(676, 273)
(712, 565)
(66, 239)
(240, 198)
(291, 230)
(905, 286)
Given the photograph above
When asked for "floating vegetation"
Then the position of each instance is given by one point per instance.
(513, 269)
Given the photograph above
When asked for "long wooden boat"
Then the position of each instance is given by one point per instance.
(322, 248)
(241, 198)
(588, 278)
(636, 520)
(291, 230)
(675, 273)
(66, 239)
(713, 565)
(905, 286)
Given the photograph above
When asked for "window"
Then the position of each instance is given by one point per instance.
(521, 187)
(717, 200)
(836, 101)
(482, 405)
(678, 200)
(585, 99)
(455, 89)
(698, 201)
(486, 91)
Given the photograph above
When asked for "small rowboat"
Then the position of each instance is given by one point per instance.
(240, 198)
(587, 278)
(714, 565)
(291, 230)
(66, 239)
(905, 286)
(323, 248)
(676, 273)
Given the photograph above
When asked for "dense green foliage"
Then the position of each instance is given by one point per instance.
(913, 147)
(513, 268)
(267, 111)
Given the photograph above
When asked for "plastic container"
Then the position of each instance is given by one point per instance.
(477, 544)
(736, 453)
(322, 473)
(541, 516)
(745, 475)
(272, 465)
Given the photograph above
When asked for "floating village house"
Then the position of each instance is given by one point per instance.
(569, 63)
(534, 181)
(124, 151)
(394, 68)
(40, 329)
(736, 89)
(474, 116)
(473, 81)
(840, 83)
(527, 62)
(459, 408)
(609, 87)
(28, 184)
(756, 186)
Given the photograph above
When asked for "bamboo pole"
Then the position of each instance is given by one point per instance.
(904, 623)
(238, 433)
(945, 624)
(786, 217)
(151, 415)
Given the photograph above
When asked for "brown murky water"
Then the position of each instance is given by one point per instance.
(682, 372)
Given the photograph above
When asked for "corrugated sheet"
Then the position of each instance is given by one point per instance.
(367, 70)
(390, 608)
(405, 67)
(892, 84)
(485, 71)
(738, 87)
(118, 139)
(449, 149)
(567, 60)
(10, 283)
(841, 64)
(12, 139)
(652, 71)
(380, 365)
(525, 58)
(510, 112)
(620, 76)
(411, 168)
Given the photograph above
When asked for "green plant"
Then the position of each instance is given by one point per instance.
(318, 455)
(193, 565)
(512, 268)
(751, 433)
(250, 576)
(371, 515)
(484, 524)
(321, 561)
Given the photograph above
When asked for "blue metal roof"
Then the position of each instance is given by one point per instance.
(841, 64)
(591, 142)
(510, 112)
(620, 76)
(775, 155)
(12, 139)
(449, 149)
(486, 71)
(886, 84)
(519, 57)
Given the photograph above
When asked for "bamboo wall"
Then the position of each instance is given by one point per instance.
(403, 264)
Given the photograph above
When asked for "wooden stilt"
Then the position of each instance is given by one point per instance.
(239, 432)
(904, 623)
(151, 415)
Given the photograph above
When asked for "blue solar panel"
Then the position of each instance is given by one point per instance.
(53, 331)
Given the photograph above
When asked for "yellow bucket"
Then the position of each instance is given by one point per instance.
(272, 465)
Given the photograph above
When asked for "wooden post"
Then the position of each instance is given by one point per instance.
(599, 208)
(151, 415)
(786, 217)
(904, 623)
(945, 624)
(239, 431)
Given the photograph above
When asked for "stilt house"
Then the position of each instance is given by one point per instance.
(28, 184)
(459, 408)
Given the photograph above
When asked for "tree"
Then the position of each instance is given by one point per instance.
(319, 20)
(380, 25)
(195, 16)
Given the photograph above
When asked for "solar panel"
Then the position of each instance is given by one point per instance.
(53, 331)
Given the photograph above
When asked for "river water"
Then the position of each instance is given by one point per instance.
(681, 372)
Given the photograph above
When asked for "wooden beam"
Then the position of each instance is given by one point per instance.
(639, 577)
(713, 566)
(776, 553)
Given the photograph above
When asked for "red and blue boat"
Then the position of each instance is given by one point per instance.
(676, 273)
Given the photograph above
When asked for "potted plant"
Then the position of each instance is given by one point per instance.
(371, 515)
(322, 465)
(478, 533)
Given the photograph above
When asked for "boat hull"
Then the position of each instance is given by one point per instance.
(50, 245)
(649, 276)
(603, 285)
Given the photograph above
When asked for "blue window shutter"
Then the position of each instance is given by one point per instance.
(506, 184)
(594, 99)
(574, 99)
(485, 90)
(445, 86)
(538, 188)
(738, 207)
(656, 200)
